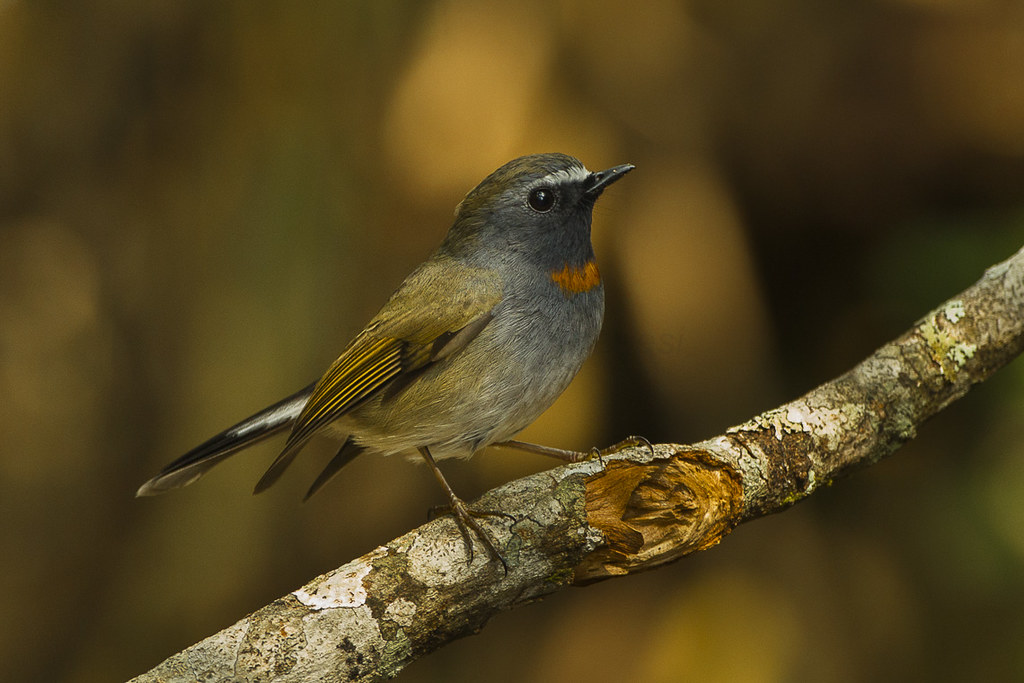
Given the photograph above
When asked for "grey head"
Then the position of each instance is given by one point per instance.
(537, 206)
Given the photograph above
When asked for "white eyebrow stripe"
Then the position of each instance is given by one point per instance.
(570, 175)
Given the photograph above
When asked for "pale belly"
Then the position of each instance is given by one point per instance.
(486, 393)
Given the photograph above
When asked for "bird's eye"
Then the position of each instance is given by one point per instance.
(541, 199)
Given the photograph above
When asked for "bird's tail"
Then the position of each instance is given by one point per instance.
(197, 461)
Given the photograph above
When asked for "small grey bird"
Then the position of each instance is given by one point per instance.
(470, 349)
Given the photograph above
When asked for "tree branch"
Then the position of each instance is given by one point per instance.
(626, 513)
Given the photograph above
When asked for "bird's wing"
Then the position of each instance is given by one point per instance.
(346, 454)
(436, 312)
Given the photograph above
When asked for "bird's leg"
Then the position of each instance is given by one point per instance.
(551, 452)
(464, 515)
(578, 456)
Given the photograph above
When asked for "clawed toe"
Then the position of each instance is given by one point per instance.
(628, 442)
(463, 515)
(465, 519)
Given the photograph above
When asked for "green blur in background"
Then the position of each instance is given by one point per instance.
(200, 202)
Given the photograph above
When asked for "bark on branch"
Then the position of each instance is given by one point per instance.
(630, 512)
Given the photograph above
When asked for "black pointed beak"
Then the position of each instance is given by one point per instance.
(602, 179)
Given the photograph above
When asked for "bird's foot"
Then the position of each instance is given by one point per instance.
(578, 456)
(466, 519)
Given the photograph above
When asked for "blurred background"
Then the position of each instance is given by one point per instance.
(201, 202)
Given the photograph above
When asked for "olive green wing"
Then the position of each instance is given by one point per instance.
(437, 311)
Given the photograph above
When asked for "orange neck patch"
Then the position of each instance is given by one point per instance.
(576, 280)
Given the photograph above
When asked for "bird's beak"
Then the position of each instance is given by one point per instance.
(602, 179)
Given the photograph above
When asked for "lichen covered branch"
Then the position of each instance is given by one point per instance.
(615, 515)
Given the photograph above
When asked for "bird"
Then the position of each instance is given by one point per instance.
(472, 347)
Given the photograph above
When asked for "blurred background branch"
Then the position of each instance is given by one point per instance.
(201, 202)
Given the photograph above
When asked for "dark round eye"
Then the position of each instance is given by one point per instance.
(541, 199)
